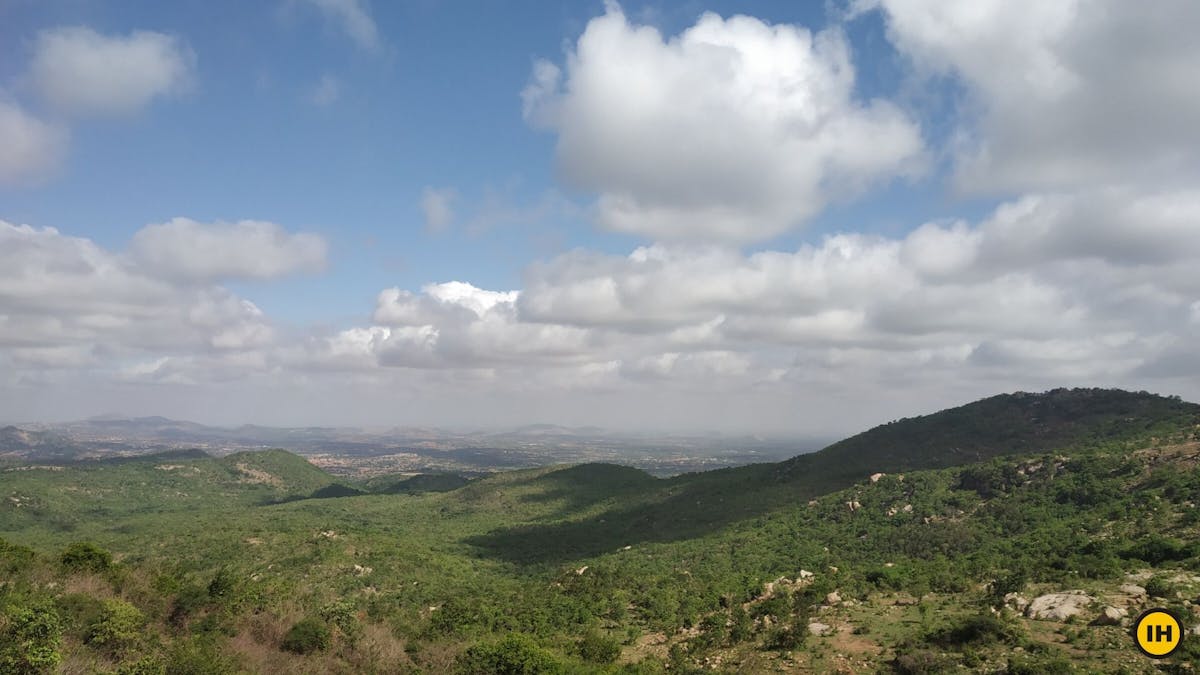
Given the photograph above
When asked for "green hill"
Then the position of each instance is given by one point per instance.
(188, 563)
(1000, 425)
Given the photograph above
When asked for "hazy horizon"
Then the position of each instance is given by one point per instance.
(776, 218)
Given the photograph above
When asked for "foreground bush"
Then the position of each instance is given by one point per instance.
(308, 635)
(30, 640)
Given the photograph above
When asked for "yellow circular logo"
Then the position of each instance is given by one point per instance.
(1157, 633)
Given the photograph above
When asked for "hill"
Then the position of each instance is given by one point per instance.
(1000, 425)
(756, 569)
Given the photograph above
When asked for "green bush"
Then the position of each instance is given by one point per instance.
(922, 662)
(597, 648)
(14, 558)
(222, 584)
(198, 656)
(149, 665)
(86, 557)
(515, 654)
(30, 640)
(1159, 587)
(119, 627)
(977, 630)
(306, 636)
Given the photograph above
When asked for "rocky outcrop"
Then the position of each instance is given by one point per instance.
(1058, 606)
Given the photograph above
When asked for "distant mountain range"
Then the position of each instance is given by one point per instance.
(528, 445)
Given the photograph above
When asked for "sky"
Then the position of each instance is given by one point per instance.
(775, 217)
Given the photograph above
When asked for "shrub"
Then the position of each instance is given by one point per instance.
(306, 636)
(14, 557)
(118, 628)
(1159, 587)
(222, 584)
(198, 656)
(145, 666)
(977, 630)
(597, 648)
(86, 557)
(515, 654)
(29, 643)
(922, 662)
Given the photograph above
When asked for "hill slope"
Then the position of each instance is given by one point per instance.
(1000, 425)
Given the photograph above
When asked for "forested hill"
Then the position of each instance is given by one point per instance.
(1006, 424)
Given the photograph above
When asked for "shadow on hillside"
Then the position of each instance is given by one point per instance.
(685, 507)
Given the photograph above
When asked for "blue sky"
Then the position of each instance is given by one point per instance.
(834, 132)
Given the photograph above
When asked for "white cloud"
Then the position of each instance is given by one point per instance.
(32, 148)
(67, 302)
(437, 204)
(353, 18)
(734, 130)
(325, 92)
(1062, 94)
(82, 72)
(186, 250)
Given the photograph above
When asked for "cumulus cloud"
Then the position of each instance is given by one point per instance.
(735, 130)
(1061, 94)
(82, 72)
(32, 148)
(437, 205)
(353, 18)
(186, 250)
(949, 304)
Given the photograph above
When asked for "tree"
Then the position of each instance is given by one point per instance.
(85, 556)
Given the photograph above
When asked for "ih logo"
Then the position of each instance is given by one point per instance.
(1157, 633)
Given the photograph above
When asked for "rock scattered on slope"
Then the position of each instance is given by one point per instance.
(1111, 616)
(1133, 589)
(819, 629)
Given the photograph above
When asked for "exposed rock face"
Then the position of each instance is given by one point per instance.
(817, 628)
(1058, 606)
(876, 476)
(1111, 616)
(833, 598)
(805, 574)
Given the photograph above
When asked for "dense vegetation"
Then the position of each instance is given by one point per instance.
(189, 564)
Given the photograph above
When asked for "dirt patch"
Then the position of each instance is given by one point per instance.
(257, 476)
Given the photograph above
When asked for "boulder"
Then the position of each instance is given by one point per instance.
(1133, 589)
(817, 628)
(1016, 601)
(833, 598)
(1058, 606)
(1111, 616)
(805, 574)
(876, 476)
